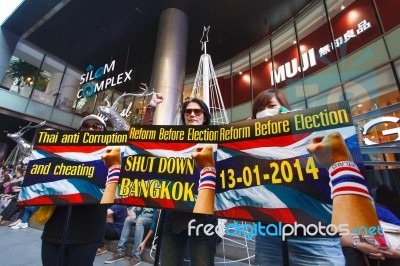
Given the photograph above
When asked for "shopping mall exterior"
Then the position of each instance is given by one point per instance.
(325, 54)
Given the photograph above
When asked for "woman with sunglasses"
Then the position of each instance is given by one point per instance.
(175, 235)
(86, 224)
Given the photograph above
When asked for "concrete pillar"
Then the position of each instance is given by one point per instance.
(8, 42)
(67, 92)
(169, 64)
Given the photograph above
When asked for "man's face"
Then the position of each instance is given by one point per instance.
(92, 125)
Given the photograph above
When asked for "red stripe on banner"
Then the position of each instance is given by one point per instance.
(53, 200)
(281, 141)
(244, 212)
(80, 149)
(151, 203)
(131, 201)
(172, 146)
(42, 200)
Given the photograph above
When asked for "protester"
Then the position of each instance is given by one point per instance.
(86, 224)
(301, 250)
(116, 216)
(147, 219)
(23, 223)
(175, 237)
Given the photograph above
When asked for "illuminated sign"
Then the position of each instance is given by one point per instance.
(361, 27)
(290, 69)
(385, 132)
(89, 89)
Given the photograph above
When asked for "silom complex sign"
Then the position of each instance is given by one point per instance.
(89, 89)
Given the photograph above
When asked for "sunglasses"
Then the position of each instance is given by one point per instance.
(95, 127)
(197, 112)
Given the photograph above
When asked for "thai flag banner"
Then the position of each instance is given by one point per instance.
(161, 172)
(266, 174)
(263, 170)
(66, 167)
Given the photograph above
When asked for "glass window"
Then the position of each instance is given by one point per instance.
(332, 96)
(49, 92)
(315, 40)
(354, 24)
(294, 92)
(389, 13)
(188, 87)
(364, 60)
(286, 57)
(397, 66)
(223, 74)
(372, 91)
(261, 64)
(23, 73)
(392, 43)
(241, 80)
(322, 81)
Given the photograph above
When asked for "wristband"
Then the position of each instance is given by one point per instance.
(150, 105)
(347, 179)
(208, 178)
(113, 174)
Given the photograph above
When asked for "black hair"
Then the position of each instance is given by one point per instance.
(264, 98)
(203, 106)
(21, 171)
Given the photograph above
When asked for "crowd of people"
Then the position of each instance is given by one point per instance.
(11, 214)
(89, 226)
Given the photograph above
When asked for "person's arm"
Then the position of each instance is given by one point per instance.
(364, 247)
(112, 159)
(16, 180)
(142, 245)
(150, 234)
(156, 99)
(352, 203)
(204, 159)
(110, 216)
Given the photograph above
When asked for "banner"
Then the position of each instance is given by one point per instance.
(264, 171)
(66, 167)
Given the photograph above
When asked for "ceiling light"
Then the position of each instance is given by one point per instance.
(240, 72)
(359, 105)
(266, 59)
(342, 7)
(294, 42)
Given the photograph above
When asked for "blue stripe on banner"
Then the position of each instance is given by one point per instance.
(61, 187)
(297, 200)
